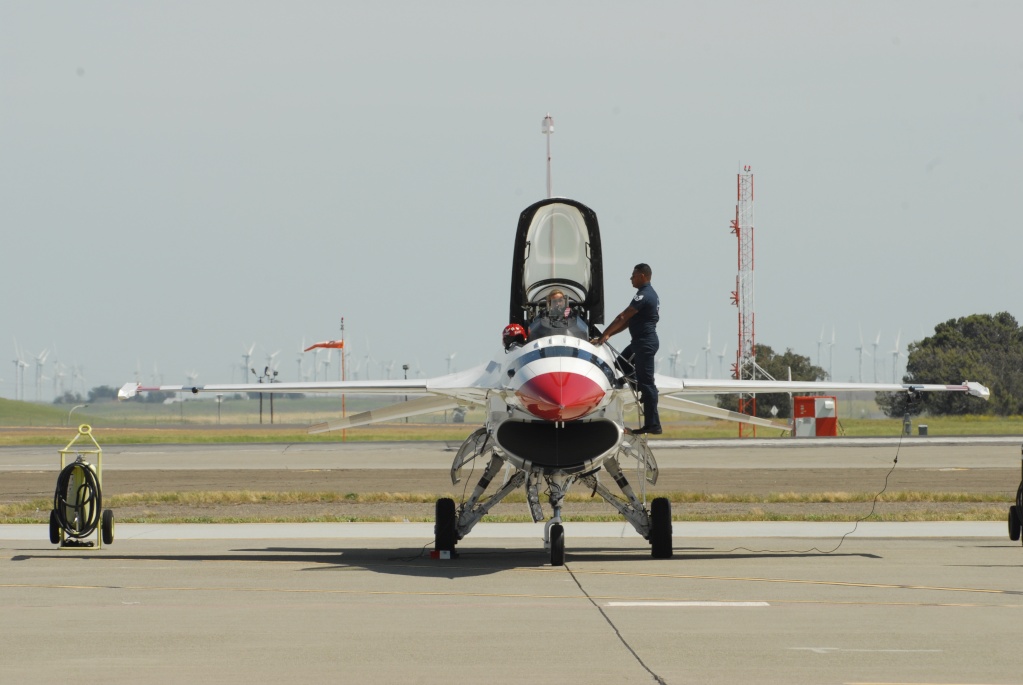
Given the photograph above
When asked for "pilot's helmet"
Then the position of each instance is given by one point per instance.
(514, 334)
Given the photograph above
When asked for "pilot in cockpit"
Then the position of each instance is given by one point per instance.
(557, 307)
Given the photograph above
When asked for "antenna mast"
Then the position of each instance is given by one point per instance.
(548, 129)
(745, 367)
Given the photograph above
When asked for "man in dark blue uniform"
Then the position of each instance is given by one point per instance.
(640, 317)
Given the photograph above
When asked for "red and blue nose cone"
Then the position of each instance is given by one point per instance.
(560, 396)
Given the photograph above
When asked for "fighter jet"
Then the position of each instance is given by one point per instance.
(555, 403)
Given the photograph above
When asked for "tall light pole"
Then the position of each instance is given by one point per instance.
(404, 367)
(547, 130)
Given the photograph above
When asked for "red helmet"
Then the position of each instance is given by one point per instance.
(513, 333)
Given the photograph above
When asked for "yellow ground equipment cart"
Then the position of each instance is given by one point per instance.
(78, 500)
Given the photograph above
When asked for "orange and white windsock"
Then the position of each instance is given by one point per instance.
(334, 344)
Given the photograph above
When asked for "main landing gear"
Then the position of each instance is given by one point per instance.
(454, 523)
(1016, 513)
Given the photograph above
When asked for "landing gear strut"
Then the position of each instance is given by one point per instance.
(554, 532)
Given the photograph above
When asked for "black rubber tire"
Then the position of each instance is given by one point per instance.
(107, 526)
(446, 527)
(557, 545)
(54, 527)
(660, 529)
(1014, 523)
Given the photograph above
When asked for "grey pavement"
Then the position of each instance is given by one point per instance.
(922, 610)
(931, 602)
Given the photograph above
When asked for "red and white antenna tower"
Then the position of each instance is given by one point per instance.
(745, 367)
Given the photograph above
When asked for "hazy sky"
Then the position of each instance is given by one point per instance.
(180, 180)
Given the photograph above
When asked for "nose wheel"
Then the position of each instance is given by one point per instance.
(557, 544)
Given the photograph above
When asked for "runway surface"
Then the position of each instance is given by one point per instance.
(764, 603)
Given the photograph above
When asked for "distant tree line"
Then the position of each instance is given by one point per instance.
(778, 366)
(982, 348)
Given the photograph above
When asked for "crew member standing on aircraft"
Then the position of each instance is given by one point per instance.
(640, 317)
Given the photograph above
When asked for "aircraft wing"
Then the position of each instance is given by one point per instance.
(671, 385)
(690, 407)
(472, 386)
(394, 412)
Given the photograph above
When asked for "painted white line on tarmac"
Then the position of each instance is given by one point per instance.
(687, 604)
(831, 650)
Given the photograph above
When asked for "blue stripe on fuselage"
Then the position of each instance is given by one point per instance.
(564, 351)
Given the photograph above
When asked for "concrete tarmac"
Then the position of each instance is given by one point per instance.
(739, 602)
(723, 610)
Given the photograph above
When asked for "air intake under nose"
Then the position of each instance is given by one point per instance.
(560, 396)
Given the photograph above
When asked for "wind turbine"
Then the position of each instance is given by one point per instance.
(895, 358)
(58, 374)
(820, 341)
(77, 376)
(877, 341)
(721, 360)
(326, 365)
(271, 360)
(367, 360)
(19, 372)
(673, 361)
(706, 355)
(831, 355)
(40, 359)
(861, 350)
(692, 365)
(450, 358)
(192, 376)
(58, 379)
(247, 359)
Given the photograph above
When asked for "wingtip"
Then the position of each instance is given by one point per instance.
(128, 391)
(978, 390)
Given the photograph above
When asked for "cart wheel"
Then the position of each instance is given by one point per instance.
(54, 527)
(108, 526)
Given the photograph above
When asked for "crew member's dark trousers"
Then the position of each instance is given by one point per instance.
(642, 353)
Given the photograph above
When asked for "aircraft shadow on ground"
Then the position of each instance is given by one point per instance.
(416, 562)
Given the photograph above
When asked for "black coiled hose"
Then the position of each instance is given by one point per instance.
(87, 497)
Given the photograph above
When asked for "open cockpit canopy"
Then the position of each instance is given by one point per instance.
(557, 246)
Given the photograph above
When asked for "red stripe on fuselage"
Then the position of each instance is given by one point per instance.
(560, 396)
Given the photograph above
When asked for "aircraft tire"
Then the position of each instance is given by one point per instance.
(446, 528)
(107, 526)
(557, 545)
(54, 527)
(1014, 523)
(660, 528)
